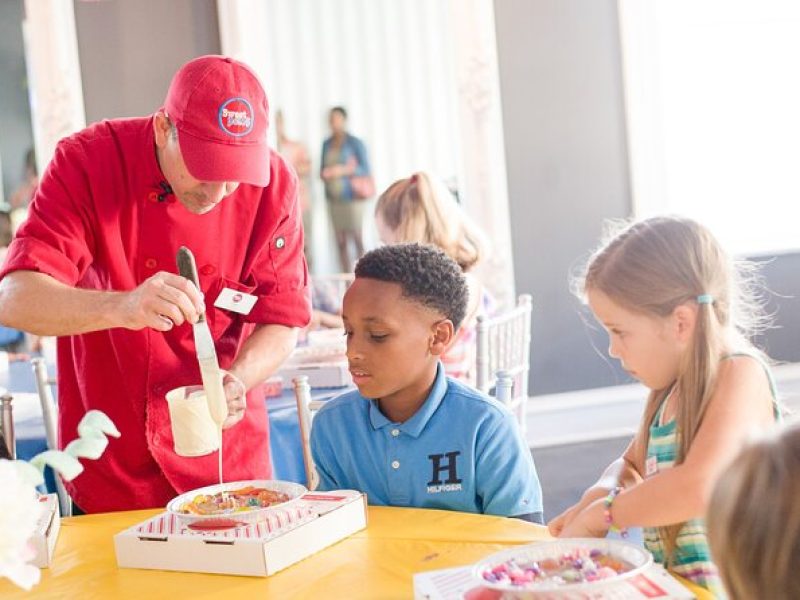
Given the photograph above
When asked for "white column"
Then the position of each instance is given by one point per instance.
(483, 166)
(642, 78)
(54, 74)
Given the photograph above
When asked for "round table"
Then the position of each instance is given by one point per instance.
(377, 562)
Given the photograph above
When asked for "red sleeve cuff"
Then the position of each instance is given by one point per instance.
(31, 254)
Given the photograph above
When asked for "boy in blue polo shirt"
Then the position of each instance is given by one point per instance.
(410, 436)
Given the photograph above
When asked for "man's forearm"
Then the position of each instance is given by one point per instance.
(262, 353)
(37, 303)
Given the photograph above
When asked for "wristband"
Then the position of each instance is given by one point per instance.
(607, 503)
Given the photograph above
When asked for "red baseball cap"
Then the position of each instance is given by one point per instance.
(221, 112)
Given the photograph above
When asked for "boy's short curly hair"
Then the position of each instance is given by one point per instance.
(424, 272)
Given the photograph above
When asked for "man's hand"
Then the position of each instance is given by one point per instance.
(236, 396)
(161, 302)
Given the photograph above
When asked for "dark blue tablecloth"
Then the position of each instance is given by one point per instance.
(30, 434)
(284, 433)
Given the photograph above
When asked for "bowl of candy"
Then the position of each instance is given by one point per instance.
(561, 567)
(227, 505)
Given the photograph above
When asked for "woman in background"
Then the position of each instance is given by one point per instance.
(345, 167)
(296, 155)
(11, 340)
(21, 197)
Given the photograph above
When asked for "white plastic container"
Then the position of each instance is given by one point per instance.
(194, 432)
(291, 489)
(637, 557)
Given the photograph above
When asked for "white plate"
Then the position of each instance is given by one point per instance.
(636, 556)
(293, 490)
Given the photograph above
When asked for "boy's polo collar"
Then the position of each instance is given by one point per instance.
(415, 425)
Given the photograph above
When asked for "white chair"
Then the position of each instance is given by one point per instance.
(504, 344)
(7, 427)
(44, 387)
(305, 407)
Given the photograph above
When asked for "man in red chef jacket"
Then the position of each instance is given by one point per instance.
(95, 265)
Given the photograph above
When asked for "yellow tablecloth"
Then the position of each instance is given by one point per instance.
(378, 562)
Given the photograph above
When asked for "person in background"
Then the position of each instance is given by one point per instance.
(326, 312)
(410, 435)
(344, 158)
(326, 306)
(95, 265)
(296, 154)
(6, 230)
(754, 519)
(677, 316)
(11, 340)
(22, 196)
(421, 209)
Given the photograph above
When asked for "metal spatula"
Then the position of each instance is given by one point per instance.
(204, 346)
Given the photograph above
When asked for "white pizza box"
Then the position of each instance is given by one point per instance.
(47, 528)
(287, 536)
(459, 584)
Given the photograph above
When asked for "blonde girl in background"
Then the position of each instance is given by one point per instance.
(678, 314)
(421, 209)
(754, 520)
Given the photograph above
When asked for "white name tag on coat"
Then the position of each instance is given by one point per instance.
(651, 466)
(235, 301)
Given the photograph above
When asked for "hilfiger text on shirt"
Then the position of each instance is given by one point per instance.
(440, 466)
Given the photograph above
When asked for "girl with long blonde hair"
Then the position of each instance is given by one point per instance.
(421, 209)
(679, 315)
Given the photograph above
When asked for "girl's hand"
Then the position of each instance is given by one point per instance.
(557, 525)
(590, 522)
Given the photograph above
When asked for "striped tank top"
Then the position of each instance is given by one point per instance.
(692, 556)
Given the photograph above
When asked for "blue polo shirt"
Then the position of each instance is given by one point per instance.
(462, 450)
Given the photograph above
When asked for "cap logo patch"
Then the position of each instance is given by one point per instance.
(236, 117)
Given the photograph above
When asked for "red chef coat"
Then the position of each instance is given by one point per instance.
(103, 219)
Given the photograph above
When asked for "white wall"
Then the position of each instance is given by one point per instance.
(130, 49)
(712, 98)
(567, 162)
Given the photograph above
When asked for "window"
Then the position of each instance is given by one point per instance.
(713, 101)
